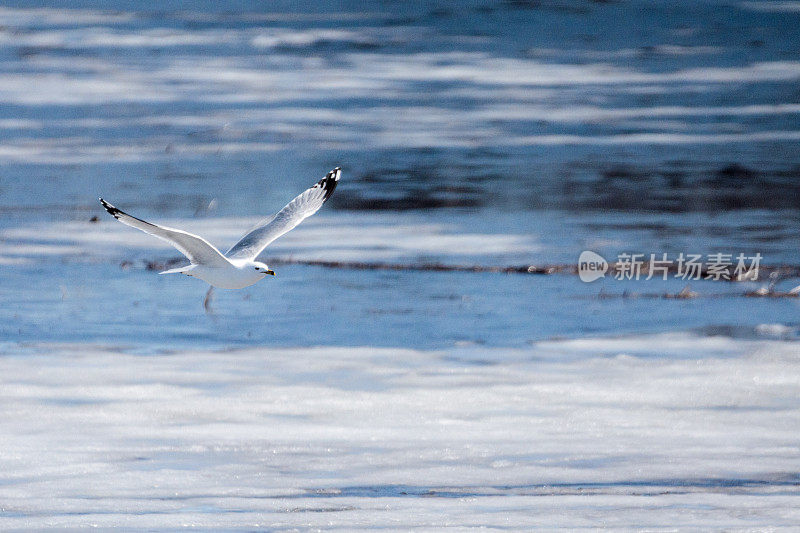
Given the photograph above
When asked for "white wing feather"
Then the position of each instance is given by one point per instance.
(286, 219)
(198, 250)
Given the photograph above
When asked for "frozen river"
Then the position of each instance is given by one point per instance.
(470, 134)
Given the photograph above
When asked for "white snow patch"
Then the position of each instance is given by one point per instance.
(352, 238)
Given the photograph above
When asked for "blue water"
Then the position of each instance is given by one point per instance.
(675, 131)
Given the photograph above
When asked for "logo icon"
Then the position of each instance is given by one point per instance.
(591, 266)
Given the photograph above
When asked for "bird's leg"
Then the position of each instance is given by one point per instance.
(207, 300)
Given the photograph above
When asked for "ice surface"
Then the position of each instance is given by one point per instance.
(361, 238)
(618, 433)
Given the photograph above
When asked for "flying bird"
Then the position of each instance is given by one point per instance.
(237, 268)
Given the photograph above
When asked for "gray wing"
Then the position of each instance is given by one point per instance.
(287, 218)
(198, 250)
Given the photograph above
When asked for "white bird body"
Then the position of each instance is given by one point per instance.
(232, 276)
(237, 268)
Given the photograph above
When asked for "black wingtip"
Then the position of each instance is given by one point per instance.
(333, 174)
(331, 180)
(328, 183)
(110, 208)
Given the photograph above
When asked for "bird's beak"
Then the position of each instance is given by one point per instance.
(270, 272)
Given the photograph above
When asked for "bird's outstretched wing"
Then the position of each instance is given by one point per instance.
(197, 249)
(287, 218)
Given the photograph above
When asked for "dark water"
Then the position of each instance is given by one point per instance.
(554, 122)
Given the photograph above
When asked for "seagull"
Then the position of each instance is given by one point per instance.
(237, 268)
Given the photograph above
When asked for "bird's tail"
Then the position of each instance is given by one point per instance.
(179, 270)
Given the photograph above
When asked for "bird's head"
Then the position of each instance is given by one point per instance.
(264, 269)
